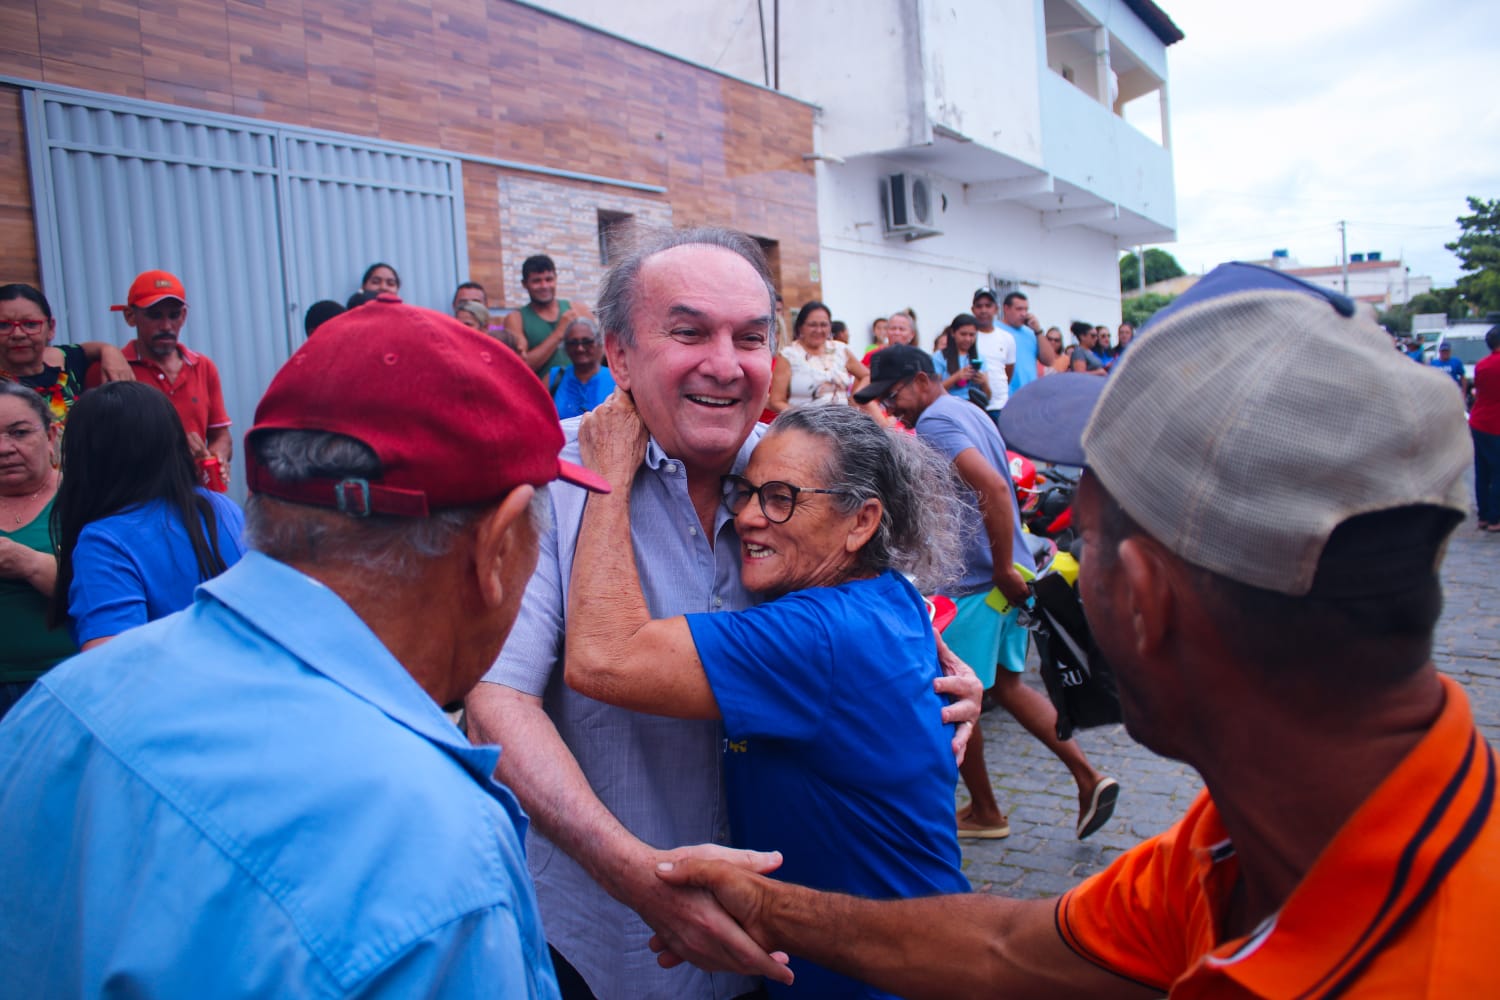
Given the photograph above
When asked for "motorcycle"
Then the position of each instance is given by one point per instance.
(1046, 498)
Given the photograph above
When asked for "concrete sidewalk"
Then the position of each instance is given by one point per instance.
(1041, 856)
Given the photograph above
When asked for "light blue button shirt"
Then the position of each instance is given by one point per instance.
(253, 798)
(660, 777)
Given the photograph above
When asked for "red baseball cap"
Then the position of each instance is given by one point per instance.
(150, 287)
(456, 418)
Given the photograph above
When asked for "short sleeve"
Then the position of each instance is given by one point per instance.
(943, 433)
(771, 667)
(940, 364)
(108, 592)
(75, 365)
(218, 416)
(1010, 349)
(530, 653)
(1144, 917)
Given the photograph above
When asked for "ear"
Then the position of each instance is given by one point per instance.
(866, 521)
(1148, 593)
(129, 316)
(503, 538)
(619, 360)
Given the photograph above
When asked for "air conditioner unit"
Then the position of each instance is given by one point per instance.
(911, 203)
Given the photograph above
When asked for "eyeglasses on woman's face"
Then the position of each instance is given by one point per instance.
(778, 500)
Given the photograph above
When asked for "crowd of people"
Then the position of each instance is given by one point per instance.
(711, 735)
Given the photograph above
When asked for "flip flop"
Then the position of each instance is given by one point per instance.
(1101, 807)
(983, 832)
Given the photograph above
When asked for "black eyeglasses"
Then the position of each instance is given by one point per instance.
(778, 500)
(579, 343)
(890, 394)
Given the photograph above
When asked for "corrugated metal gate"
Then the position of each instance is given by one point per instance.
(259, 221)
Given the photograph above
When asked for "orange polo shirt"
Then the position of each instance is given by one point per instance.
(195, 393)
(1401, 903)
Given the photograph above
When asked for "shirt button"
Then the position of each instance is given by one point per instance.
(718, 602)
(692, 529)
(672, 468)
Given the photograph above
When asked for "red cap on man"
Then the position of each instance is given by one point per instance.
(456, 418)
(151, 287)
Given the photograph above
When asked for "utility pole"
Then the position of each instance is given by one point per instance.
(1344, 252)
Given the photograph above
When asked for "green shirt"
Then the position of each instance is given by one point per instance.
(538, 330)
(30, 648)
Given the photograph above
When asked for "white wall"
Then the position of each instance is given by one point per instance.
(1067, 274)
(982, 73)
(1087, 144)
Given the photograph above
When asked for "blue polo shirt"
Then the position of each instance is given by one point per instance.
(138, 565)
(252, 797)
(834, 753)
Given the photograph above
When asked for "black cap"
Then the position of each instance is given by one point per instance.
(986, 293)
(890, 365)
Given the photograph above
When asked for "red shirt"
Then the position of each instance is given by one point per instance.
(1401, 903)
(195, 393)
(1485, 416)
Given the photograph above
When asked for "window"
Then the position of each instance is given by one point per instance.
(611, 224)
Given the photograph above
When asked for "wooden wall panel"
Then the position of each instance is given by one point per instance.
(482, 77)
(18, 259)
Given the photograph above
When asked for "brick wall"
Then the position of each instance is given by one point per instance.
(561, 220)
(478, 77)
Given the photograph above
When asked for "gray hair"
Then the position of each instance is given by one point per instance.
(475, 309)
(589, 325)
(379, 544)
(617, 297)
(30, 397)
(921, 526)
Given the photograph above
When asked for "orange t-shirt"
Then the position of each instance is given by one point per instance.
(1400, 903)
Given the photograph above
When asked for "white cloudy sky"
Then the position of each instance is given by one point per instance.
(1289, 115)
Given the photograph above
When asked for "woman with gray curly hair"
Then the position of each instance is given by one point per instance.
(834, 753)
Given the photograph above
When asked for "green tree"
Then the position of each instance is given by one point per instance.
(1160, 266)
(1141, 308)
(1478, 251)
(1448, 301)
(1396, 320)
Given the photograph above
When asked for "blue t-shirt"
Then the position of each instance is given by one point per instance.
(1025, 370)
(952, 427)
(835, 754)
(574, 398)
(138, 565)
(1452, 366)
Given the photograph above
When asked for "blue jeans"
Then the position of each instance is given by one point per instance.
(1487, 476)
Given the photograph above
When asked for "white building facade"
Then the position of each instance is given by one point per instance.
(1007, 118)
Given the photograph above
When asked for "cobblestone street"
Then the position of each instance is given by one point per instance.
(1041, 856)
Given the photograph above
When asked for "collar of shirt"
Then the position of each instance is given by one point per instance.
(327, 636)
(1378, 872)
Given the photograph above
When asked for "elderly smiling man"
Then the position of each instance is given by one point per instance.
(687, 316)
(261, 795)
